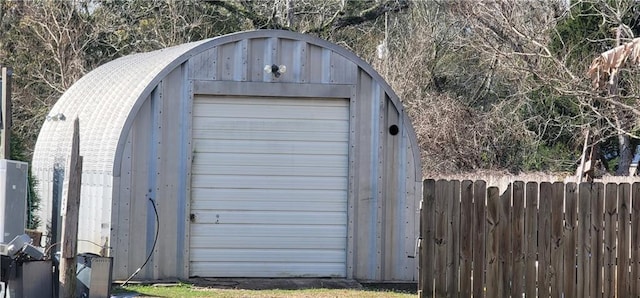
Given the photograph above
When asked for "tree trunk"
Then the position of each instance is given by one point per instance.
(624, 144)
(625, 153)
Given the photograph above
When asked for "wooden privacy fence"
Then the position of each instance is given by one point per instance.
(534, 239)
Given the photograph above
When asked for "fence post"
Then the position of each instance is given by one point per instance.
(71, 206)
(5, 129)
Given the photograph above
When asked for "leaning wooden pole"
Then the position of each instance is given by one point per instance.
(70, 214)
(5, 129)
(580, 171)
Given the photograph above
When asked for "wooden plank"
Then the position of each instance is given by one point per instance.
(544, 240)
(479, 203)
(5, 127)
(531, 239)
(596, 239)
(505, 256)
(453, 248)
(442, 188)
(635, 240)
(71, 208)
(494, 268)
(517, 241)
(610, 219)
(557, 273)
(623, 240)
(466, 237)
(584, 242)
(569, 238)
(427, 244)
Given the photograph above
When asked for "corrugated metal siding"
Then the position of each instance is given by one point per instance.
(103, 100)
(269, 187)
(154, 168)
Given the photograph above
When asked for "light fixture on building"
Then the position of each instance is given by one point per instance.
(276, 70)
(56, 117)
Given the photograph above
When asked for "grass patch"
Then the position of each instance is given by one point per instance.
(187, 290)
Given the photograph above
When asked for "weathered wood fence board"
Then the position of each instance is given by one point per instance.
(531, 239)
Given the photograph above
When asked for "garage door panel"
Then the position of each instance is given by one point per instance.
(228, 110)
(256, 196)
(271, 230)
(265, 160)
(230, 216)
(273, 135)
(269, 255)
(269, 187)
(263, 242)
(298, 125)
(271, 182)
(253, 269)
(262, 101)
(268, 147)
(269, 170)
(252, 205)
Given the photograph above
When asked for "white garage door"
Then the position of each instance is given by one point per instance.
(269, 187)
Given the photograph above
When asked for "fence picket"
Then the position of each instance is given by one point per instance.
(584, 242)
(479, 201)
(453, 246)
(466, 244)
(494, 272)
(517, 240)
(623, 241)
(597, 237)
(427, 245)
(441, 238)
(531, 239)
(556, 269)
(570, 219)
(635, 240)
(505, 256)
(544, 239)
(610, 219)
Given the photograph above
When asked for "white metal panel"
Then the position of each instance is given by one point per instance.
(269, 187)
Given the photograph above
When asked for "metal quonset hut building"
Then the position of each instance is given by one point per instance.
(312, 171)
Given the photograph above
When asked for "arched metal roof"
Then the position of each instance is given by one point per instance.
(103, 100)
(107, 99)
